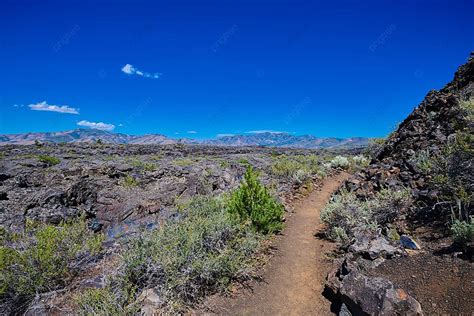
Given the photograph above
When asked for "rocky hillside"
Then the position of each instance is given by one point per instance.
(405, 223)
(260, 139)
(426, 130)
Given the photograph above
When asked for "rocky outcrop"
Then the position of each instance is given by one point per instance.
(91, 180)
(373, 248)
(396, 166)
(428, 127)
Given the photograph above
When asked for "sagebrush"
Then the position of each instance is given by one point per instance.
(346, 215)
(43, 258)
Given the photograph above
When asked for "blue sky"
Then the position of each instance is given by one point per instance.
(203, 68)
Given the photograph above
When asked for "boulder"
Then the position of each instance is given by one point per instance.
(376, 296)
(398, 302)
(373, 248)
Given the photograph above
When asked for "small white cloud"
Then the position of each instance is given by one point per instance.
(266, 131)
(225, 135)
(120, 125)
(43, 106)
(18, 105)
(130, 70)
(191, 132)
(97, 125)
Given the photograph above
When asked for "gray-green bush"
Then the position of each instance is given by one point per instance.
(183, 260)
(43, 257)
(300, 168)
(463, 231)
(346, 215)
(212, 243)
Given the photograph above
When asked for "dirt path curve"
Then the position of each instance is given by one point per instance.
(294, 278)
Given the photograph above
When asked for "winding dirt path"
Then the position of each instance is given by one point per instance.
(293, 280)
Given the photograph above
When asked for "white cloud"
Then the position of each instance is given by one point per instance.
(97, 125)
(43, 106)
(130, 70)
(191, 132)
(266, 131)
(224, 135)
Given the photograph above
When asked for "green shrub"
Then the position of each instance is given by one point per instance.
(283, 166)
(146, 166)
(298, 167)
(183, 162)
(43, 256)
(252, 201)
(338, 234)
(467, 109)
(129, 182)
(244, 162)
(452, 173)
(423, 161)
(392, 234)
(48, 160)
(183, 260)
(224, 164)
(100, 301)
(463, 231)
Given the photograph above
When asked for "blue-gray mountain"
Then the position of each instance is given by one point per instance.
(261, 139)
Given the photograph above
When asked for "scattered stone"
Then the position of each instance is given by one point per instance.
(374, 248)
(409, 243)
(3, 196)
(344, 311)
(95, 225)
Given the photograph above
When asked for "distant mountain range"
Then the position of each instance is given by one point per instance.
(288, 140)
(261, 139)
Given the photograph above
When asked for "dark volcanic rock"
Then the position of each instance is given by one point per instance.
(373, 248)
(114, 184)
(376, 296)
(427, 128)
(360, 294)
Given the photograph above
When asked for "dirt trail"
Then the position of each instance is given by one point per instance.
(294, 278)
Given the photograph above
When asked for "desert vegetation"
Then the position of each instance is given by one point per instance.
(43, 258)
(346, 215)
(49, 160)
(211, 244)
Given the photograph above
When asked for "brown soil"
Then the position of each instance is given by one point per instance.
(442, 284)
(294, 278)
